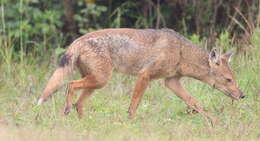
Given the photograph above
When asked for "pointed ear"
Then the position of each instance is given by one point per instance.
(228, 55)
(214, 56)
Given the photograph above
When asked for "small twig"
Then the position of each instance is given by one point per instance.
(158, 19)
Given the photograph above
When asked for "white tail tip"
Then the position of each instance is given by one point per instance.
(40, 101)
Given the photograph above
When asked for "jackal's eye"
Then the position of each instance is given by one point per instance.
(228, 79)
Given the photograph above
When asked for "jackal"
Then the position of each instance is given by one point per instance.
(148, 54)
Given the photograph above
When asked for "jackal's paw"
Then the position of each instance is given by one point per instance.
(67, 110)
(131, 117)
(79, 110)
(191, 111)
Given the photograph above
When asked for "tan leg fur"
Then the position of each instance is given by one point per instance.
(173, 83)
(86, 93)
(140, 86)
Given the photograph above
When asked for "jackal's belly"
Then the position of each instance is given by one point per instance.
(136, 65)
(127, 65)
(160, 71)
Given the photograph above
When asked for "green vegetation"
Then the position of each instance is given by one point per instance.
(161, 115)
(33, 34)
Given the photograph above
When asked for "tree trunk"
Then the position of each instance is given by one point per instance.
(70, 24)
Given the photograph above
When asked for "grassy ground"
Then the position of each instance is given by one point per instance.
(161, 115)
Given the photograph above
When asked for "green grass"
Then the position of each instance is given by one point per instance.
(160, 116)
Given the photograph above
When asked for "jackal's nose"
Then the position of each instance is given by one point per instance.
(242, 96)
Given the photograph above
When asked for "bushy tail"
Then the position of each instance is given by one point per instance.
(57, 79)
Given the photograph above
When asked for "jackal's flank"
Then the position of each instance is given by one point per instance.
(148, 54)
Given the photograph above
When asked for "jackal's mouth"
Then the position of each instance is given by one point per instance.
(231, 95)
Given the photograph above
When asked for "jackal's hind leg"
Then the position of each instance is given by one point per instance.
(140, 86)
(88, 82)
(173, 83)
(86, 93)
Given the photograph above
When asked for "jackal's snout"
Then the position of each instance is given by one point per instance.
(234, 92)
(237, 96)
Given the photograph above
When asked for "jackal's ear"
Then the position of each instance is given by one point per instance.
(214, 57)
(228, 55)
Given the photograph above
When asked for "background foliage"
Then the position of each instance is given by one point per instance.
(34, 23)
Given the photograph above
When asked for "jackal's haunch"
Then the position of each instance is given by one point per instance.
(148, 54)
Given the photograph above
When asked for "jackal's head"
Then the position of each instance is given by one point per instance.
(221, 76)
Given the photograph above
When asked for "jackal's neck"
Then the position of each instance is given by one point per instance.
(194, 61)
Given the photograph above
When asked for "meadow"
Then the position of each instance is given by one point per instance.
(161, 116)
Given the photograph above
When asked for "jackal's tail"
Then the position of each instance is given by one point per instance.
(64, 70)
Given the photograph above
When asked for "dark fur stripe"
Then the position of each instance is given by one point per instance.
(65, 60)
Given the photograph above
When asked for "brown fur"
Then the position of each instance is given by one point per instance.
(148, 54)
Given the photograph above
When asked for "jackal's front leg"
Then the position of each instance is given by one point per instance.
(173, 83)
(140, 86)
